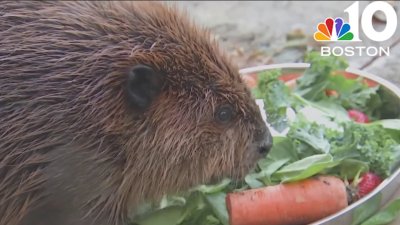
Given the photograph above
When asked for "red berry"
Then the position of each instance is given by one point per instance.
(358, 116)
(369, 181)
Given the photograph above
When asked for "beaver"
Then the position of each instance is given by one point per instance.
(104, 105)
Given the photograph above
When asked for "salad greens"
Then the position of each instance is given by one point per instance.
(321, 139)
(387, 215)
(367, 210)
(354, 94)
(318, 77)
(278, 100)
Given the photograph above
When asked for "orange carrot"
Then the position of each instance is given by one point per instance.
(295, 203)
(289, 77)
(330, 92)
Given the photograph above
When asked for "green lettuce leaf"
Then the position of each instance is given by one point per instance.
(315, 80)
(306, 167)
(385, 216)
(276, 96)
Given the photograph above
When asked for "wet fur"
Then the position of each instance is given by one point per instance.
(72, 150)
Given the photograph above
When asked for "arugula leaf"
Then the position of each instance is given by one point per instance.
(209, 189)
(253, 180)
(263, 178)
(218, 206)
(306, 167)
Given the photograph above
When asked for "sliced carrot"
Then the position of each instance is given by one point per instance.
(295, 203)
(289, 77)
(333, 93)
(370, 83)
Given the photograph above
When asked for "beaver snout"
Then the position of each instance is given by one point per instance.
(264, 140)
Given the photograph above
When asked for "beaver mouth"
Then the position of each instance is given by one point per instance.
(248, 163)
(238, 174)
(255, 154)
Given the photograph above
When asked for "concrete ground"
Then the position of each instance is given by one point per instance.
(256, 32)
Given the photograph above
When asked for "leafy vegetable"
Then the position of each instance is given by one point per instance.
(385, 216)
(210, 189)
(355, 94)
(203, 208)
(306, 167)
(390, 110)
(322, 139)
(371, 144)
(315, 80)
(282, 153)
(323, 75)
(366, 210)
(309, 137)
(350, 168)
(276, 97)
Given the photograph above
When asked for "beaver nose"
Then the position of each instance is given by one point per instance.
(265, 141)
(266, 144)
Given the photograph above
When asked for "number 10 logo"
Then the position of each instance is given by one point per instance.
(337, 30)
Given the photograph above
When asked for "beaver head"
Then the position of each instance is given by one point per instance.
(149, 98)
(197, 120)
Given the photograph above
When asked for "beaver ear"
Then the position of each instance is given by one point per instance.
(144, 85)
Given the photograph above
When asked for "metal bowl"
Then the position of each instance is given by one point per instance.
(371, 203)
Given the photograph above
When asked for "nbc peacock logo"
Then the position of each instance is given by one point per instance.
(333, 30)
(358, 20)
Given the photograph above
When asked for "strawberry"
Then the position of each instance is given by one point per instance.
(358, 116)
(369, 181)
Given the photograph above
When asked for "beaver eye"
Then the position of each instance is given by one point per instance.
(224, 114)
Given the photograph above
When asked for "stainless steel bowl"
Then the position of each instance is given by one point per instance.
(386, 190)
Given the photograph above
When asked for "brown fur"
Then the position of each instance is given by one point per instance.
(71, 149)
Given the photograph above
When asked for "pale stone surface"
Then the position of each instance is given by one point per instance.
(259, 28)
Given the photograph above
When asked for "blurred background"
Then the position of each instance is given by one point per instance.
(265, 32)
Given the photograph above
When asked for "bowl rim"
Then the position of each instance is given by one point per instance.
(390, 86)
